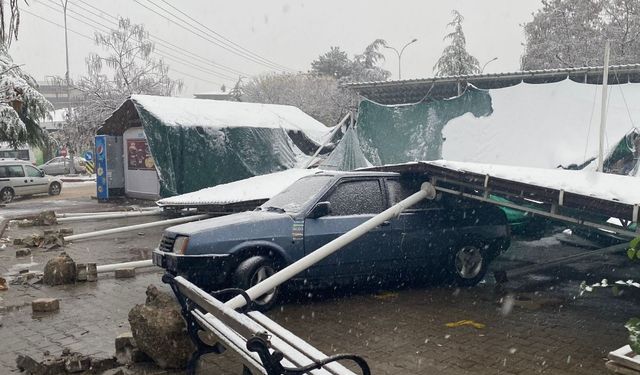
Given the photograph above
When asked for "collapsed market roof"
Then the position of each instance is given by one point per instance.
(415, 90)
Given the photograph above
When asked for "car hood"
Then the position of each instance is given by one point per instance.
(235, 221)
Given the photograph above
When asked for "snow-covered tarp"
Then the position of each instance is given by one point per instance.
(199, 143)
(624, 189)
(542, 125)
(220, 114)
(250, 189)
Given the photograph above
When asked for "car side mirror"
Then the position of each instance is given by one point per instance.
(321, 209)
(41, 173)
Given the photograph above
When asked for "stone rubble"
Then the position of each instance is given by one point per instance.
(60, 270)
(160, 331)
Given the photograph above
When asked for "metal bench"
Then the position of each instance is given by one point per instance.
(264, 346)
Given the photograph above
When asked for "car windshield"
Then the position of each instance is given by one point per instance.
(296, 197)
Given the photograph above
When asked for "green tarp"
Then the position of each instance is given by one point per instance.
(191, 158)
(411, 132)
(348, 155)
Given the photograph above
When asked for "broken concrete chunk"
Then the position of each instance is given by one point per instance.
(125, 273)
(127, 352)
(158, 325)
(3, 284)
(45, 305)
(92, 272)
(23, 253)
(60, 270)
(77, 363)
(81, 272)
(17, 241)
(25, 223)
(65, 231)
(46, 218)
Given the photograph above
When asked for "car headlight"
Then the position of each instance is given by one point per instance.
(180, 245)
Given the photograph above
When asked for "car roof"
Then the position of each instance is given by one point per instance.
(14, 161)
(355, 174)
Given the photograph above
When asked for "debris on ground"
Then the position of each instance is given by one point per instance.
(3, 284)
(158, 325)
(28, 277)
(127, 352)
(45, 305)
(461, 323)
(49, 239)
(66, 363)
(44, 218)
(23, 253)
(60, 270)
(125, 273)
(86, 272)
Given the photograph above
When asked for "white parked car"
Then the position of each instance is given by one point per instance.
(62, 165)
(19, 177)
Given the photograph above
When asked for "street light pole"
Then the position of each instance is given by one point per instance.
(400, 55)
(67, 77)
(487, 63)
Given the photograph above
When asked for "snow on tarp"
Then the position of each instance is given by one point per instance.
(220, 114)
(250, 189)
(542, 125)
(624, 189)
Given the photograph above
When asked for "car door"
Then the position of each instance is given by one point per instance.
(35, 184)
(16, 175)
(352, 203)
(416, 234)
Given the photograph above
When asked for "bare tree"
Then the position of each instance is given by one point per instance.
(127, 68)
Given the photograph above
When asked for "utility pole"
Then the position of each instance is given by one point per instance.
(68, 79)
(603, 110)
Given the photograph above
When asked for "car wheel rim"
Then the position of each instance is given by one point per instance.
(469, 262)
(261, 274)
(55, 189)
(6, 196)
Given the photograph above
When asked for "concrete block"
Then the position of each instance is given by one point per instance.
(125, 273)
(81, 272)
(45, 305)
(23, 253)
(92, 272)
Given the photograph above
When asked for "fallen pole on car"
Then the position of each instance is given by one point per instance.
(98, 213)
(115, 266)
(427, 191)
(135, 227)
(110, 215)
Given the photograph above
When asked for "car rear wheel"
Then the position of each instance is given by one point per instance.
(6, 195)
(468, 265)
(250, 272)
(55, 188)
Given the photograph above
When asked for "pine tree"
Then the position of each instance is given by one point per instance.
(455, 59)
(21, 105)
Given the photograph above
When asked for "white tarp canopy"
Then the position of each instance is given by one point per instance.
(542, 125)
(250, 189)
(220, 114)
(624, 189)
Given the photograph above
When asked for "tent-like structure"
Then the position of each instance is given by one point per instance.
(198, 143)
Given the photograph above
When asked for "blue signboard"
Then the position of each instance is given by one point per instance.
(102, 182)
(88, 156)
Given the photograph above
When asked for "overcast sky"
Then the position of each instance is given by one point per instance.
(287, 33)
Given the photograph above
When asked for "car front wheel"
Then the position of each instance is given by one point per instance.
(250, 272)
(468, 265)
(55, 188)
(6, 195)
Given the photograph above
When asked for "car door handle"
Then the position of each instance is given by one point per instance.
(385, 223)
(26, 181)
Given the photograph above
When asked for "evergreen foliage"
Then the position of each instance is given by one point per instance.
(455, 60)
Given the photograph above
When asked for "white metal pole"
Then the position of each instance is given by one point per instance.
(135, 264)
(313, 158)
(603, 111)
(426, 191)
(108, 216)
(135, 227)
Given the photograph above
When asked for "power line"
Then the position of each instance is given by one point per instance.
(163, 55)
(90, 38)
(161, 41)
(205, 37)
(226, 39)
